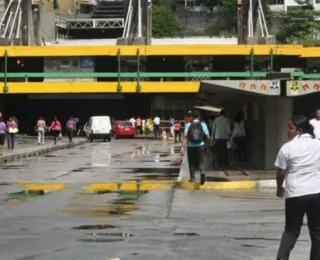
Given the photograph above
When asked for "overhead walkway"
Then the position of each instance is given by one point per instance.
(107, 14)
(137, 24)
(20, 23)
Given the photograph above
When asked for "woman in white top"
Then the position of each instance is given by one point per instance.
(239, 138)
(298, 163)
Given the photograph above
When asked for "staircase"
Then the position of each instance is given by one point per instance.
(108, 9)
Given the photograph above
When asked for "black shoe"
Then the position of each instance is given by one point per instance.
(202, 178)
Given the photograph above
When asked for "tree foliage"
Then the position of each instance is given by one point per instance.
(164, 22)
(300, 26)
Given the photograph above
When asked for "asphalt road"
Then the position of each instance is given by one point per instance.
(161, 224)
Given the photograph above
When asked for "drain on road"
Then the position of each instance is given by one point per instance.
(101, 240)
(112, 234)
(190, 234)
(94, 227)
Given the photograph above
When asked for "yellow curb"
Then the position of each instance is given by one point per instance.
(36, 188)
(232, 185)
(126, 187)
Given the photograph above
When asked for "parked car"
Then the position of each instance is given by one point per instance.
(99, 127)
(123, 128)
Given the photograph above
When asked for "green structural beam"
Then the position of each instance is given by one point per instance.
(251, 63)
(142, 75)
(5, 76)
(138, 71)
(119, 87)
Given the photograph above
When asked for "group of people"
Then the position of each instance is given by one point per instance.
(298, 165)
(8, 130)
(55, 129)
(146, 126)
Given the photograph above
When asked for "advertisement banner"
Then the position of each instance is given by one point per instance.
(87, 63)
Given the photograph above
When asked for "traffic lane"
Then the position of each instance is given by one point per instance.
(172, 224)
(97, 162)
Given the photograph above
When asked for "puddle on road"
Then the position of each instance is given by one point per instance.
(101, 240)
(112, 234)
(253, 246)
(158, 177)
(51, 156)
(23, 196)
(119, 207)
(190, 234)
(94, 227)
(256, 238)
(81, 169)
(151, 170)
(13, 167)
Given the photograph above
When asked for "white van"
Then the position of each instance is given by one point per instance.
(99, 127)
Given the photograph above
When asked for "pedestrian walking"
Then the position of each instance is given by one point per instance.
(143, 126)
(12, 130)
(156, 126)
(298, 163)
(3, 130)
(41, 128)
(177, 131)
(221, 132)
(139, 126)
(171, 125)
(239, 139)
(315, 122)
(55, 128)
(70, 126)
(194, 135)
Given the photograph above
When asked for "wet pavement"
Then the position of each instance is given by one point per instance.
(159, 224)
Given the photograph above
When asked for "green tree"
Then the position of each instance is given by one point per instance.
(300, 26)
(164, 22)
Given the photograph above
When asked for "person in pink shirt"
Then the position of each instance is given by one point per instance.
(71, 126)
(3, 130)
(55, 128)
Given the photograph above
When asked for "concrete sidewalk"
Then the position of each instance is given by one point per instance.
(226, 180)
(29, 149)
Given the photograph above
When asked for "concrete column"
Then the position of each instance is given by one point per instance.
(278, 111)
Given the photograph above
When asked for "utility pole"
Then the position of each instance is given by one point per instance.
(239, 16)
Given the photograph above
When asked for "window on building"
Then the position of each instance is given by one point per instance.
(317, 1)
(279, 2)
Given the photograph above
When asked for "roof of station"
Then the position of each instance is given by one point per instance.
(160, 50)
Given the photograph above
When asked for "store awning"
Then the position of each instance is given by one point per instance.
(210, 108)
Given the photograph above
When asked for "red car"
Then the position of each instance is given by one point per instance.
(123, 128)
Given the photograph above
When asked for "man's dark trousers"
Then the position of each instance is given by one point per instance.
(196, 157)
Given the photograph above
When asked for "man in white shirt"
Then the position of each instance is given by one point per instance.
(316, 124)
(133, 121)
(156, 126)
(221, 131)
